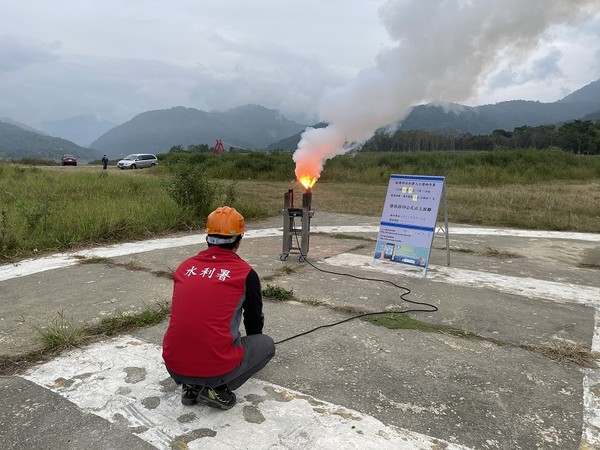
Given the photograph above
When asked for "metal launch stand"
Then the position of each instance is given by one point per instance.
(290, 232)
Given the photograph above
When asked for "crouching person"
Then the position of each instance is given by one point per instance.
(203, 349)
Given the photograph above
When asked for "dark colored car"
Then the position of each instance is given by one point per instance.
(69, 160)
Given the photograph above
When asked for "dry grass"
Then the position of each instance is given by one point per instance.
(567, 352)
(330, 197)
(556, 206)
(346, 236)
(39, 220)
(283, 270)
(589, 266)
(545, 206)
(500, 254)
(132, 265)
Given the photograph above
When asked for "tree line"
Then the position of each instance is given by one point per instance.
(579, 137)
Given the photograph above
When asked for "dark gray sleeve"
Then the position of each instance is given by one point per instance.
(253, 315)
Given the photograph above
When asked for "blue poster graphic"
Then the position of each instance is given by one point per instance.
(408, 221)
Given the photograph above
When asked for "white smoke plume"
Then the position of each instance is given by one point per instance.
(444, 50)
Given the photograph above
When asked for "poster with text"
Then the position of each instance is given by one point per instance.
(408, 221)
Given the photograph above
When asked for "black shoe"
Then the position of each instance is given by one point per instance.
(189, 393)
(221, 398)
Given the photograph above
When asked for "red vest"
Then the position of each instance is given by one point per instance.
(203, 338)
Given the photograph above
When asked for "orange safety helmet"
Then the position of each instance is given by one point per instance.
(224, 221)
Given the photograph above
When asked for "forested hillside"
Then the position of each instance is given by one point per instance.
(17, 143)
(579, 137)
(249, 126)
(459, 119)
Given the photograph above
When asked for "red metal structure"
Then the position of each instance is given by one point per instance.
(219, 147)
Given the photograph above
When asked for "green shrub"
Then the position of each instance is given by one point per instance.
(192, 189)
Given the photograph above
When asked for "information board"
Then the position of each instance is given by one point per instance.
(408, 221)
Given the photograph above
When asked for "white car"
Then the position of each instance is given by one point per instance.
(138, 161)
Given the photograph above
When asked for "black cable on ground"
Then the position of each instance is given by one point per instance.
(431, 308)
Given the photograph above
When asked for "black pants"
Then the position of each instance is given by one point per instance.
(258, 351)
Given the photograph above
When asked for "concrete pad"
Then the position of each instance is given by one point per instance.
(494, 313)
(34, 417)
(435, 390)
(124, 381)
(86, 293)
(469, 392)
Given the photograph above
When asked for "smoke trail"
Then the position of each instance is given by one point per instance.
(445, 48)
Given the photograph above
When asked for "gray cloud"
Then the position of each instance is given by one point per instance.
(547, 67)
(16, 53)
(117, 59)
(118, 89)
(544, 68)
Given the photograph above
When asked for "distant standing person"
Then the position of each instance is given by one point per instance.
(104, 162)
(213, 291)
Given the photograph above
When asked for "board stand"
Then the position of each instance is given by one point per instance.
(442, 229)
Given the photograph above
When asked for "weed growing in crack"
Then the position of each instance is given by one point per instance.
(61, 333)
(277, 293)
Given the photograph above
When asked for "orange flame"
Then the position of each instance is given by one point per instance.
(307, 181)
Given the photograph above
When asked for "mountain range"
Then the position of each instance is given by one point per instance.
(257, 127)
(583, 104)
(250, 126)
(17, 142)
(456, 119)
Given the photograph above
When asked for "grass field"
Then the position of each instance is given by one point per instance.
(45, 209)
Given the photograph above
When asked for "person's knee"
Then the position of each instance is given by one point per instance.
(269, 346)
(261, 344)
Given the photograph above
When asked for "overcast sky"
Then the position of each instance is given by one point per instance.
(115, 59)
